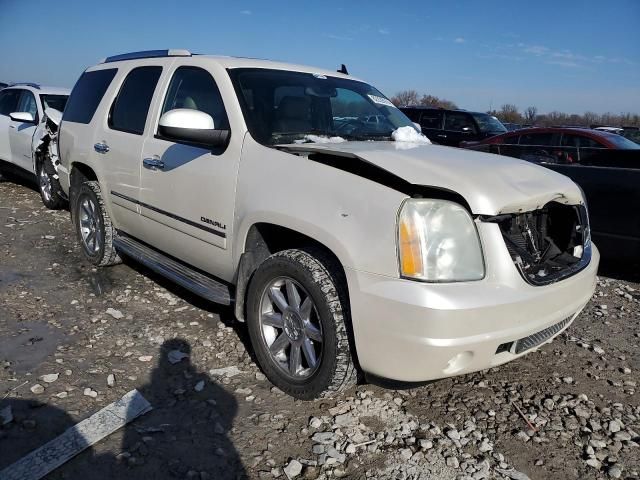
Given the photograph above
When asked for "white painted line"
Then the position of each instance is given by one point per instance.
(61, 449)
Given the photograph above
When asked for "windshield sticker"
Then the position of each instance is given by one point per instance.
(320, 76)
(381, 101)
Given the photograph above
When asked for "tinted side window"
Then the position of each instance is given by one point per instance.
(511, 140)
(459, 122)
(569, 140)
(536, 139)
(431, 119)
(195, 88)
(131, 106)
(86, 95)
(9, 101)
(413, 114)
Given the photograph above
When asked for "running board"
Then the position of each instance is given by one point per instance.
(185, 276)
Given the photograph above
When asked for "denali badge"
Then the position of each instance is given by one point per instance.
(213, 222)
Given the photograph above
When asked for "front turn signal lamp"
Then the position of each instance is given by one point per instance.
(438, 242)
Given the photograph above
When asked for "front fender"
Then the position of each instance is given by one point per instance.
(353, 217)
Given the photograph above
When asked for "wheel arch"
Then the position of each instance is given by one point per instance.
(263, 239)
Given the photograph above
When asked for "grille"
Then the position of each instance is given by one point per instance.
(535, 339)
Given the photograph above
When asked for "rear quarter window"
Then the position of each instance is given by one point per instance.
(87, 94)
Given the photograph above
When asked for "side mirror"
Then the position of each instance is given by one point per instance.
(192, 126)
(24, 117)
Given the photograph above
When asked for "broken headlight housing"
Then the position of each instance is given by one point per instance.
(438, 242)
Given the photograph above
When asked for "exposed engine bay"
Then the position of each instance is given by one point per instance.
(548, 244)
(45, 143)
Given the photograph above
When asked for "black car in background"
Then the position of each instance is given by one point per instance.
(2, 85)
(450, 127)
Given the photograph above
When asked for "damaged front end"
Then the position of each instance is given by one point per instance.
(548, 244)
(45, 139)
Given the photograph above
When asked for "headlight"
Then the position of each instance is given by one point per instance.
(438, 242)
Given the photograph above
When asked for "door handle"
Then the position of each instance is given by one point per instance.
(101, 147)
(153, 164)
(441, 136)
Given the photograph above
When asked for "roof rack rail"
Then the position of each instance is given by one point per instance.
(25, 84)
(147, 54)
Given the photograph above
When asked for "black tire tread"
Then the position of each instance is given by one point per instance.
(326, 275)
(109, 256)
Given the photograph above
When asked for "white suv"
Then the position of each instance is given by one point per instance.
(22, 110)
(345, 245)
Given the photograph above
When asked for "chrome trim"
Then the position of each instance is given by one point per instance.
(148, 54)
(101, 147)
(153, 164)
(536, 339)
(169, 214)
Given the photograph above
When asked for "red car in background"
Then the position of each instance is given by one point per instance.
(607, 167)
(558, 137)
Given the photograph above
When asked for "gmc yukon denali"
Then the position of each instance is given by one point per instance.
(347, 246)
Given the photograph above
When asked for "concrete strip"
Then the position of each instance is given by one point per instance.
(61, 449)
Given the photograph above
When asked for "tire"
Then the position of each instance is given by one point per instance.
(90, 216)
(318, 330)
(49, 185)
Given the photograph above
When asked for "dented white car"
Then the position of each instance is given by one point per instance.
(346, 245)
(29, 119)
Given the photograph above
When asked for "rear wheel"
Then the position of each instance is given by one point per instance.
(93, 225)
(297, 321)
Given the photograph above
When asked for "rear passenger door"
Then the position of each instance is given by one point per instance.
(187, 192)
(9, 98)
(537, 147)
(431, 124)
(119, 140)
(458, 127)
(21, 133)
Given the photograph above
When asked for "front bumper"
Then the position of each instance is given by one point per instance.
(411, 331)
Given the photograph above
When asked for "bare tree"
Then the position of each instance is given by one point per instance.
(405, 98)
(530, 115)
(509, 113)
(433, 101)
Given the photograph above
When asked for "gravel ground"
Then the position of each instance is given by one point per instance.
(74, 339)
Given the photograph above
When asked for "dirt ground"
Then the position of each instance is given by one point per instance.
(107, 331)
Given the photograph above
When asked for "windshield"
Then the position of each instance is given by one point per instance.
(54, 101)
(283, 107)
(488, 123)
(623, 143)
(633, 135)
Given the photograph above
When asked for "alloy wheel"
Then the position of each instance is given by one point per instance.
(291, 328)
(90, 230)
(45, 183)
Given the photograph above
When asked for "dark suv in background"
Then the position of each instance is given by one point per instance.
(450, 127)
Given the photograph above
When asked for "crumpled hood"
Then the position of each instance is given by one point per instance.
(491, 184)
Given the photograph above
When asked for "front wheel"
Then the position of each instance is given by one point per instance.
(93, 225)
(49, 185)
(297, 320)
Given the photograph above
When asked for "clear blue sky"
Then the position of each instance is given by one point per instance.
(563, 55)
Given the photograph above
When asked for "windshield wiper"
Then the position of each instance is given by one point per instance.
(276, 137)
(368, 136)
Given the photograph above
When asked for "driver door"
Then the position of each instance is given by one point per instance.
(9, 98)
(21, 133)
(187, 192)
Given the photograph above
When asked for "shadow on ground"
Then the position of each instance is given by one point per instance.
(186, 435)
